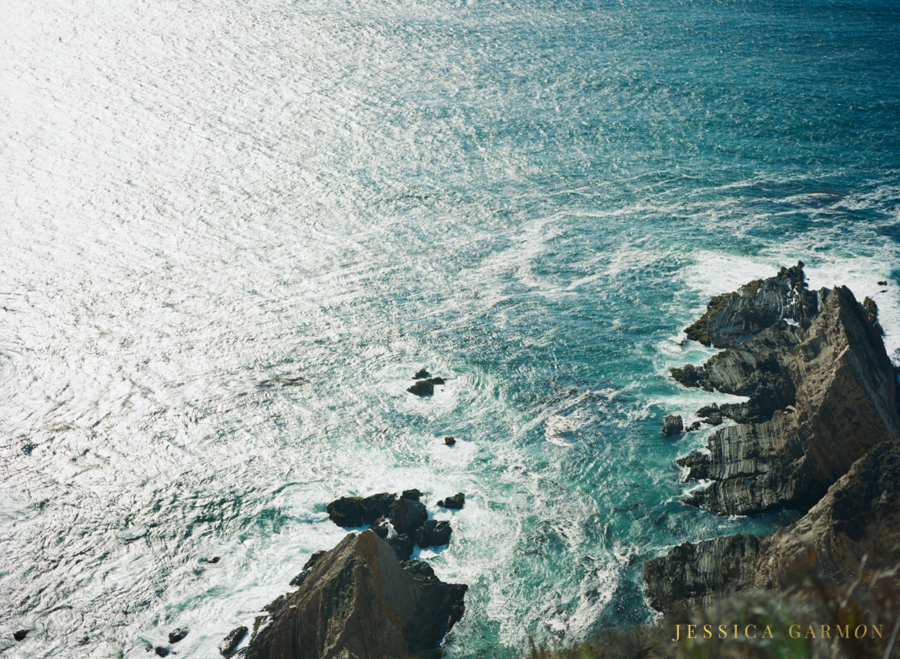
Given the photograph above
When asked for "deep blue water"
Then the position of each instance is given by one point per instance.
(529, 199)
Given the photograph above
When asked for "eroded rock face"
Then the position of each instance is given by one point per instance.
(359, 602)
(820, 398)
(858, 517)
(732, 317)
(672, 425)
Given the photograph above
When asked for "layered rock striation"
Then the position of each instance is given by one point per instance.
(855, 526)
(358, 601)
(819, 432)
(819, 399)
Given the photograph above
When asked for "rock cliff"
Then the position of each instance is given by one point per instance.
(358, 601)
(857, 523)
(820, 432)
(819, 399)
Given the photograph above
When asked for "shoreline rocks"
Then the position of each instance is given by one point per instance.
(360, 601)
(820, 433)
(819, 399)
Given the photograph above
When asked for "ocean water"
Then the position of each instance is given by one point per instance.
(201, 201)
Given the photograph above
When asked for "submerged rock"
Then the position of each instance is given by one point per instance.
(177, 635)
(360, 602)
(425, 387)
(672, 425)
(422, 388)
(233, 640)
(455, 502)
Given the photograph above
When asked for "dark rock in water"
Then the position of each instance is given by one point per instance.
(839, 399)
(20, 635)
(732, 317)
(402, 545)
(455, 502)
(177, 635)
(360, 602)
(433, 534)
(714, 420)
(695, 426)
(422, 388)
(350, 512)
(672, 425)
(407, 515)
(213, 560)
(376, 506)
(380, 528)
(233, 640)
(162, 652)
(449, 440)
(346, 512)
(882, 283)
(425, 387)
(421, 375)
(413, 494)
(858, 520)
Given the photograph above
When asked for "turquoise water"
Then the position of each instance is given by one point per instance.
(528, 199)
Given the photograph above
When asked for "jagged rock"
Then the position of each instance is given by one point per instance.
(177, 635)
(672, 425)
(359, 602)
(350, 512)
(407, 515)
(422, 388)
(346, 512)
(413, 494)
(433, 534)
(857, 522)
(425, 387)
(307, 568)
(20, 635)
(732, 317)
(695, 426)
(233, 640)
(836, 390)
(421, 375)
(402, 545)
(449, 440)
(695, 575)
(455, 502)
(377, 506)
(162, 652)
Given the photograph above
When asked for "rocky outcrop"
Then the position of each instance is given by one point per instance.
(819, 399)
(732, 317)
(359, 602)
(857, 523)
(456, 502)
(402, 521)
(672, 425)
